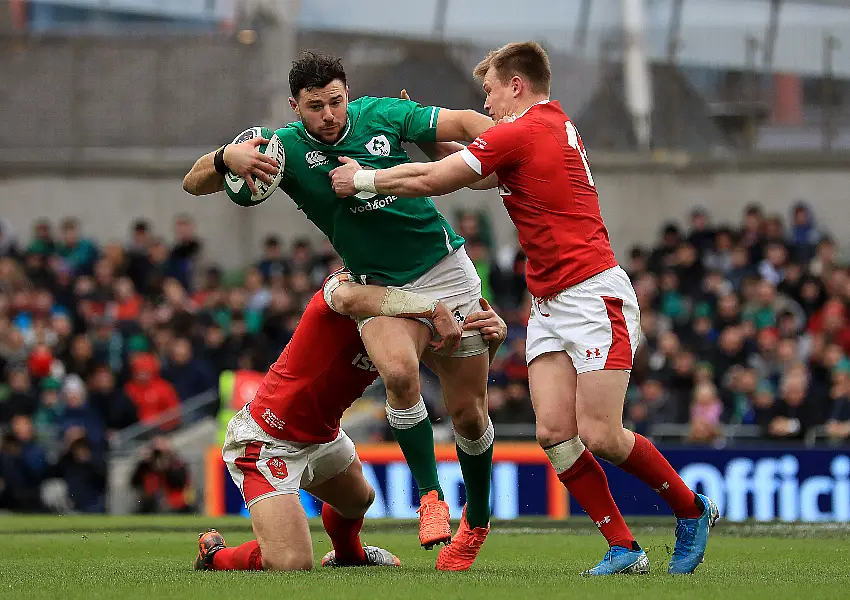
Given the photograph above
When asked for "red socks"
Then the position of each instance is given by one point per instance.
(647, 464)
(246, 557)
(345, 536)
(587, 483)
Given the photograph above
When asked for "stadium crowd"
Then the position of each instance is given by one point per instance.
(741, 325)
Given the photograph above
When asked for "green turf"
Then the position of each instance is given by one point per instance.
(150, 557)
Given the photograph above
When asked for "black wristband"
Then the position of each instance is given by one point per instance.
(218, 160)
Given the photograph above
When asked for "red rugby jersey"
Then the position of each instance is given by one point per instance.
(546, 185)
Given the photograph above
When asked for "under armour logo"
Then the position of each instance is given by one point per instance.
(664, 486)
(592, 353)
(604, 521)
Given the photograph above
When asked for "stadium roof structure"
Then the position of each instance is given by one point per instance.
(606, 123)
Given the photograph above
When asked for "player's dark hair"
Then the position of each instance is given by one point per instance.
(528, 60)
(314, 70)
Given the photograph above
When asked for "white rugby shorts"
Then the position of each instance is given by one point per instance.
(455, 282)
(597, 322)
(263, 466)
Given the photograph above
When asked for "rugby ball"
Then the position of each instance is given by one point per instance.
(236, 188)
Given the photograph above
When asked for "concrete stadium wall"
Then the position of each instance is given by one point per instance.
(636, 196)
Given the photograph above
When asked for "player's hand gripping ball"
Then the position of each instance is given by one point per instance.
(250, 156)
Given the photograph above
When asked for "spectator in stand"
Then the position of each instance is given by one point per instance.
(804, 235)
(42, 243)
(653, 405)
(51, 409)
(20, 395)
(81, 360)
(113, 406)
(79, 415)
(23, 465)
(774, 230)
(794, 411)
(838, 419)
(80, 253)
(186, 251)
(637, 262)
(772, 268)
(701, 235)
(663, 255)
(258, 296)
(127, 304)
(719, 256)
(83, 469)
(151, 394)
(162, 480)
(731, 350)
(302, 256)
(689, 270)
(274, 265)
(278, 324)
(189, 375)
(752, 233)
(706, 410)
(825, 258)
(138, 254)
(217, 353)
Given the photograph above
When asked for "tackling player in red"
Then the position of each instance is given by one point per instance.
(585, 322)
(289, 437)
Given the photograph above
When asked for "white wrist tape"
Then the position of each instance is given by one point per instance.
(333, 282)
(364, 180)
(399, 303)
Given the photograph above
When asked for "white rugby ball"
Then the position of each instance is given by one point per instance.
(236, 187)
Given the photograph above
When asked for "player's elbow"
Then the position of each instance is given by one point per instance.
(190, 184)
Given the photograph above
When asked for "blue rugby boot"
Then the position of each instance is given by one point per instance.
(691, 539)
(621, 560)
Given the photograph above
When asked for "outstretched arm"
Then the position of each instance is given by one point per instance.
(439, 150)
(410, 180)
(346, 297)
(461, 125)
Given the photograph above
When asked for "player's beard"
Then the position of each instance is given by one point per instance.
(329, 136)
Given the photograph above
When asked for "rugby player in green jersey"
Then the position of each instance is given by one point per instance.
(402, 243)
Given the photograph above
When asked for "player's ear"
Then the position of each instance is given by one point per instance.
(517, 85)
(294, 106)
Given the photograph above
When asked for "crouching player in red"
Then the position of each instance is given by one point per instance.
(289, 437)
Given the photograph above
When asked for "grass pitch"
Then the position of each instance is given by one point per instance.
(151, 557)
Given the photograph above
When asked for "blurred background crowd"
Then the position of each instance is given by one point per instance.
(744, 325)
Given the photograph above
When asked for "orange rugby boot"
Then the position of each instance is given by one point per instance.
(209, 543)
(434, 525)
(464, 548)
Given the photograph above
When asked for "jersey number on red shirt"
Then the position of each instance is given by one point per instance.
(574, 141)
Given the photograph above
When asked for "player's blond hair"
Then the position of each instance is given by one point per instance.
(525, 59)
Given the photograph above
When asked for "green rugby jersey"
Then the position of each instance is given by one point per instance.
(392, 239)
